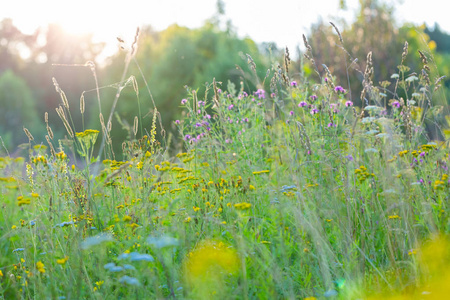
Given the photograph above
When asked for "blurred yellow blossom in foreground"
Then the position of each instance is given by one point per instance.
(207, 267)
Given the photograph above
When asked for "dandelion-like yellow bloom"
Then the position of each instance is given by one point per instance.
(62, 261)
(394, 217)
(206, 267)
(260, 172)
(243, 205)
(402, 153)
(133, 225)
(40, 267)
(87, 132)
(23, 201)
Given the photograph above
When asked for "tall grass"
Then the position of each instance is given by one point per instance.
(288, 194)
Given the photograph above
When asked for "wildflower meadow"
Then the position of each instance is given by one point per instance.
(287, 192)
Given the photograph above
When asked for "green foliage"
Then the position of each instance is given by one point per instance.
(441, 38)
(18, 109)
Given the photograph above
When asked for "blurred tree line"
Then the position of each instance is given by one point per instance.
(177, 57)
(26, 72)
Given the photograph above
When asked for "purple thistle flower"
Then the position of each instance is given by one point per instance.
(349, 157)
(230, 107)
(207, 117)
(245, 120)
(313, 97)
(339, 89)
(291, 113)
(227, 141)
(302, 104)
(198, 125)
(293, 83)
(177, 122)
(273, 95)
(187, 137)
(314, 111)
(396, 104)
(348, 103)
(184, 101)
(219, 91)
(261, 94)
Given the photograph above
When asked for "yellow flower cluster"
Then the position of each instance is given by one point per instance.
(242, 206)
(260, 172)
(40, 267)
(114, 164)
(440, 184)
(21, 200)
(62, 261)
(39, 159)
(87, 133)
(403, 153)
(61, 155)
(428, 147)
(7, 179)
(362, 174)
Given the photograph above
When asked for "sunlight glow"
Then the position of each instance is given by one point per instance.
(283, 22)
